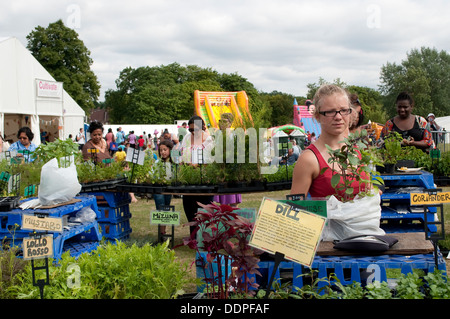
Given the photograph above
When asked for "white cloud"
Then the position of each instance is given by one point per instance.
(276, 45)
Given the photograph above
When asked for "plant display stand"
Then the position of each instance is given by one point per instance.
(397, 214)
(114, 214)
(76, 238)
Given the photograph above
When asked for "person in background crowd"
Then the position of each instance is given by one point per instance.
(43, 135)
(120, 155)
(25, 136)
(149, 142)
(165, 147)
(357, 115)
(132, 139)
(226, 120)
(155, 140)
(110, 139)
(413, 128)
(120, 136)
(196, 139)
(182, 131)
(295, 147)
(96, 142)
(434, 128)
(141, 143)
(80, 139)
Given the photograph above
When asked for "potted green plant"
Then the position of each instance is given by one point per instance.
(391, 151)
(355, 208)
(354, 161)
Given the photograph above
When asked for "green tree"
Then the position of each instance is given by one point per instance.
(425, 73)
(282, 106)
(162, 94)
(67, 59)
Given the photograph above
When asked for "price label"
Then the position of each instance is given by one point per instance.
(38, 247)
(32, 222)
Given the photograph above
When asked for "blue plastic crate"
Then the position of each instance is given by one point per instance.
(117, 230)
(203, 269)
(114, 214)
(77, 248)
(60, 211)
(12, 220)
(349, 269)
(82, 234)
(111, 199)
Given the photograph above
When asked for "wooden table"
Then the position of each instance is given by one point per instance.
(408, 244)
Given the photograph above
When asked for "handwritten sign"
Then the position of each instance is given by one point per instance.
(429, 198)
(288, 230)
(37, 247)
(160, 217)
(33, 222)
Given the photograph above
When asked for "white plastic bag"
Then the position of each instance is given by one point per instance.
(358, 217)
(86, 215)
(58, 185)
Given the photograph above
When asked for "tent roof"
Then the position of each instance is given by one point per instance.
(20, 69)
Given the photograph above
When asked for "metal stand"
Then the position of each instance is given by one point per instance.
(162, 237)
(40, 282)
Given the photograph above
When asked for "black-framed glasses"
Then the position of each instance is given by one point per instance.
(334, 113)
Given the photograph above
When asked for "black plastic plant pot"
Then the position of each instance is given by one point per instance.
(194, 189)
(142, 188)
(9, 203)
(277, 186)
(101, 185)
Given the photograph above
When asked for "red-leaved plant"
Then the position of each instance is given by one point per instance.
(225, 238)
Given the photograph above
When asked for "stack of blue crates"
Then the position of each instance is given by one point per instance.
(76, 238)
(114, 218)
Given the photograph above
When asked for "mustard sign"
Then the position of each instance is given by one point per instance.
(429, 199)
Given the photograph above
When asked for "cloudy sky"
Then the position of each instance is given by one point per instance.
(276, 44)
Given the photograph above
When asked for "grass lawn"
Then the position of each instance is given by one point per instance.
(143, 232)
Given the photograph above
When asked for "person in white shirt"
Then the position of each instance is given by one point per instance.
(81, 140)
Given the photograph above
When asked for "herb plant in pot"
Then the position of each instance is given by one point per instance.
(355, 208)
(392, 151)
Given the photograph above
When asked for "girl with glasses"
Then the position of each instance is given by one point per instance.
(333, 112)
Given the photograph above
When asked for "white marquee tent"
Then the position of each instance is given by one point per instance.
(30, 96)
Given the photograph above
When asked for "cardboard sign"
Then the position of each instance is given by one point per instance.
(37, 247)
(288, 230)
(429, 198)
(52, 224)
(168, 218)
